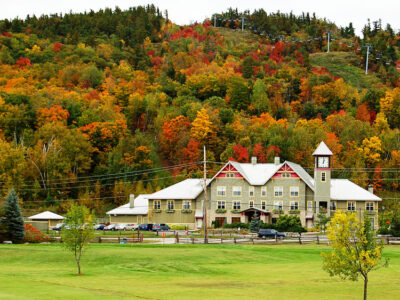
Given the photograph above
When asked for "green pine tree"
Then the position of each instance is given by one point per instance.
(255, 223)
(13, 218)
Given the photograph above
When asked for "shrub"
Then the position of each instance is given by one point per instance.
(34, 235)
(177, 227)
(186, 211)
(289, 223)
(237, 225)
(220, 211)
(267, 226)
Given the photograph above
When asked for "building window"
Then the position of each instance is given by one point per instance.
(251, 191)
(157, 204)
(251, 204)
(278, 191)
(237, 191)
(220, 204)
(294, 191)
(294, 205)
(236, 204)
(369, 206)
(187, 204)
(285, 175)
(170, 204)
(235, 220)
(323, 176)
(278, 205)
(309, 205)
(333, 205)
(221, 190)
(264, 191)
(230, 175)
(351, 206)
(263, 205)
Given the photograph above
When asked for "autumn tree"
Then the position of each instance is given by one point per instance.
(356, 251)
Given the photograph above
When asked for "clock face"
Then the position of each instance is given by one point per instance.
(323, 162)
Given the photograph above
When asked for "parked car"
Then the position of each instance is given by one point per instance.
(271, 233)
(110, 227)
(131, 227)
(146, 227)
(58, 227)
(100, 227)
(160, 227)
(120, 226)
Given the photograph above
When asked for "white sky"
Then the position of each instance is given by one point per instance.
(183, 12)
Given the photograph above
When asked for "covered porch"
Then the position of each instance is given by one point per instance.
(248, 214)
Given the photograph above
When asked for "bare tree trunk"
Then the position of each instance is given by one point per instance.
(79, 266)
(365, 286)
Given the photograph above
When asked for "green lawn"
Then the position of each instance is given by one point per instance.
(344, 64)
(183, 272)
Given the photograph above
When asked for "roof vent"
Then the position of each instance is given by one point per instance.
(131, 200)
(254, 160)
(277, 160)
(371, 188)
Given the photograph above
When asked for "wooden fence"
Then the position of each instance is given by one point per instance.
(116, 240)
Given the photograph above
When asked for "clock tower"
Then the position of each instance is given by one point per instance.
(322, 177)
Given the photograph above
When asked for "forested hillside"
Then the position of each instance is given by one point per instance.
(89, 101)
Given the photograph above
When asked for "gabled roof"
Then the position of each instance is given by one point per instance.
(322, 149)
(302, 173)
(344, 189)
(140, 207)
(186, 189)
(259, 174)
(46, 215)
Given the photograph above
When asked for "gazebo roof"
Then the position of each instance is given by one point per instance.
(46, 215)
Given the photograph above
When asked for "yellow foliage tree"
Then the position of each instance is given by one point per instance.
(371, 149)
(202, 126)
(355, 252)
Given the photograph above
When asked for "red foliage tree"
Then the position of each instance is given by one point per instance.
(23, 62)
(241, 154)
(57, 47)
(260, 153)
(34, 235)
(363, 113)
(377, 183)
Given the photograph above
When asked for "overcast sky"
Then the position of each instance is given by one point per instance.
(183, 12)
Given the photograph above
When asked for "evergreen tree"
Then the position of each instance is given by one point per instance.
(13, 218)
(255, 223)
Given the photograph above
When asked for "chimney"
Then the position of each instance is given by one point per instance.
(277, 160)
(254, 160)
(371, 188)
(131, 200)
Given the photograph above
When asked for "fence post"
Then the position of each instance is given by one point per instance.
(192, 240)
(388, 240)
(176, 239)
(276, 239)
(99, 239)
(119, 239)
(234, 240)
(252, 240)
(221, 240)
(318, 239)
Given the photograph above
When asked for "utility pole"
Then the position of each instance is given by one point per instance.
(329, 39)
(242, 23)
(205, 198)
(215, 20)
(368, 46)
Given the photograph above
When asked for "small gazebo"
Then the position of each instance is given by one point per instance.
(46, 218)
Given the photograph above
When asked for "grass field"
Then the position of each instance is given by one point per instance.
(344, 64)
(183, 272)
